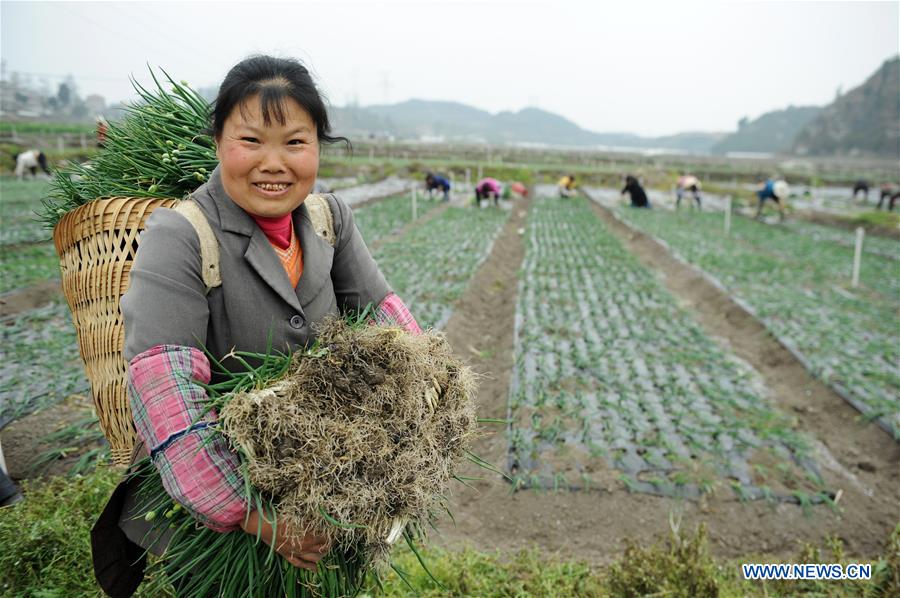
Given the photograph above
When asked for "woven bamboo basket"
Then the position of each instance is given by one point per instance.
(96, 244)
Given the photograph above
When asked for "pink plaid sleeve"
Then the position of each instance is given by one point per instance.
(197, 466)
(392, 310)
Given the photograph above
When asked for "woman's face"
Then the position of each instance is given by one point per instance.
(268, 170)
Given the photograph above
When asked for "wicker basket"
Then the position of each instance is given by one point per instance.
(96, 244)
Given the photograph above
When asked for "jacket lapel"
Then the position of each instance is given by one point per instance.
(317, 257)
(259, 253)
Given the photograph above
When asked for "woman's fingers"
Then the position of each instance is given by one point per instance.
(301, 564)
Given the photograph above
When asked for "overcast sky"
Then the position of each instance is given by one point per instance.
(650, 68)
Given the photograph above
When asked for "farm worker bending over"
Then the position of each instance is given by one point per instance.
(636, 193)
(776, 190)
(890, 192)
(566, 186)
(30, 161)
(434, 182)
(486, 189)
(283, 279)
(863, 186)
(690, 183)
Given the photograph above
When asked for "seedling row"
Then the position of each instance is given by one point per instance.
(431, 265)
(800, 287)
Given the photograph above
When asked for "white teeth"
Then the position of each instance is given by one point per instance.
(272, 186)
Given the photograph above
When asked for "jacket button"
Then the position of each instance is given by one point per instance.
(296, 322)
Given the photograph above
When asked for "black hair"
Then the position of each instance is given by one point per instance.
(274, 80)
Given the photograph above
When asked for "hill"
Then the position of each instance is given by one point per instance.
(772, 132)
(865, 121)
(453, 121)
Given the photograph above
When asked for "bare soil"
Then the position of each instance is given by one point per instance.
(30, 297)
(860, 461)
(23, 442)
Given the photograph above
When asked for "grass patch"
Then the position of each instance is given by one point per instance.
(46, 538)
(877, 218)
(46, 553)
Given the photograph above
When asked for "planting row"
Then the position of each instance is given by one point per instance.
(799, 285)
(379, 219)
(611, 375)
(432, 264)
(887, 248)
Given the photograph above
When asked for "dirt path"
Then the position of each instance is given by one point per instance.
(30, 297)
(861, 461)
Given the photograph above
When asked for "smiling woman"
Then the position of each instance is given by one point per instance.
(279, 279)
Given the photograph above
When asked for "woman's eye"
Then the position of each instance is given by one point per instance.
(297, 142)
(250, 139)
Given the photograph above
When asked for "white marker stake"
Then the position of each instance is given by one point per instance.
(480, 172)
(2, 460)
(468, 178)
(415, 193)
(727, 214)
(857, 254)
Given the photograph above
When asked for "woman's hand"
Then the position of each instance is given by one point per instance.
(305, 552)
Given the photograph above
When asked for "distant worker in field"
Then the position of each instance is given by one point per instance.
(566, 186)
(636, 193)
(436, 182)
(775, 189)
(102, 128)
(488, 188)
(891, 192)
(863, 186)
(690, 183)
(29, 162)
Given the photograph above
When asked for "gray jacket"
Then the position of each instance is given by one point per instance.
(166, 301)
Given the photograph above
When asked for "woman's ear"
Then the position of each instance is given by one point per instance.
(218, 157)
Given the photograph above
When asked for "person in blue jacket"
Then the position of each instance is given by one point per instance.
(434, 182)
(774, 189)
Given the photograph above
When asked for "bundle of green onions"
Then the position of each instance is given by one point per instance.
(355, 439)
(161, 148)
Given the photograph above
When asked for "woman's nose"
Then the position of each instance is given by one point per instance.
(272, 161)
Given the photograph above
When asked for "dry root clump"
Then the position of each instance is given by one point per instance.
(370, 431)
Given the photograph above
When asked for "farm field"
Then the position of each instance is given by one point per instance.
(610, 374)
(625, 413)
(799, 285)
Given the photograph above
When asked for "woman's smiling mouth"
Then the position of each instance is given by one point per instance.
(271, 189)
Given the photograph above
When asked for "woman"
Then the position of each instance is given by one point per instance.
(436, 182)
(685, 183)
(487, 188)
(279, 278)
(636, 193)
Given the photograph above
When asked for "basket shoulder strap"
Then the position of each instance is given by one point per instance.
(209, 246)
(321, 217)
